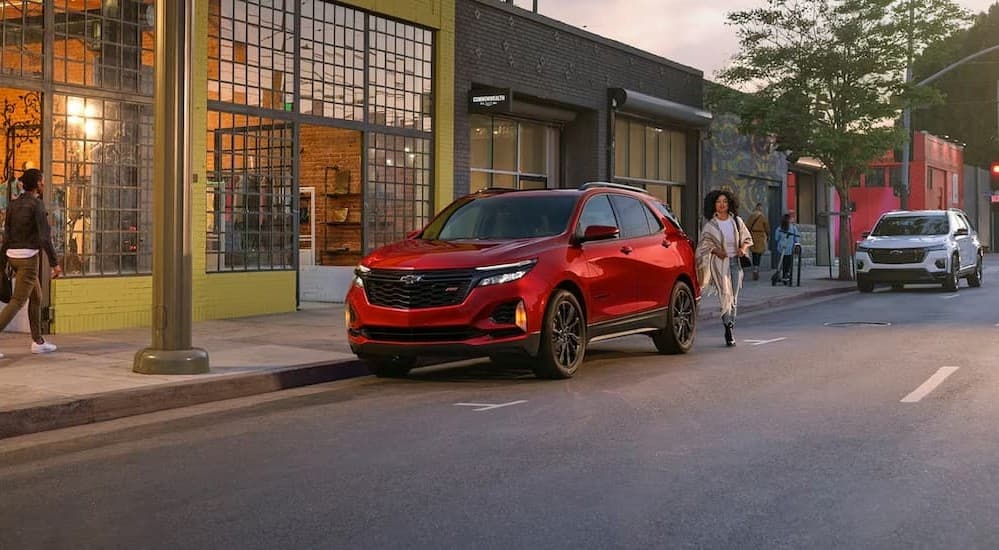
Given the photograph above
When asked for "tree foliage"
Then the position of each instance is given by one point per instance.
(969, 112)
(828, 79)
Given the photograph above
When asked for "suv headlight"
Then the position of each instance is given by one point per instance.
(941, 246)
(862, 248)
(359, 272)
(504, 273)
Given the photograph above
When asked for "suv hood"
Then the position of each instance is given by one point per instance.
(904, 241)
(424, 254)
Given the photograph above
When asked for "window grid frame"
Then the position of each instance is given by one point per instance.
(240, 156)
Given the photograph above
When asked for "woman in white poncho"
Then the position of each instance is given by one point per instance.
(724, 239)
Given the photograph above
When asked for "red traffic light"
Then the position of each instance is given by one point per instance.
(995, 169)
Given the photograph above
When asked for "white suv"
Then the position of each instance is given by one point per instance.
(920, 246)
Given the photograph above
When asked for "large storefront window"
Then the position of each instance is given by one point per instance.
(22, 38)
(362, 79)
(651, 157)
(102, 172)
(399, 81)
(250, 53)
(106, 45)
(249, 193)
(332, 77)
(398, 195)
(96, 110)
(512, 154)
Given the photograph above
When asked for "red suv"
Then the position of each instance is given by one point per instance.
(527, 275)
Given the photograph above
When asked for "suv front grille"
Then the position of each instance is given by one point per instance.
(898, 255)
(404, 289)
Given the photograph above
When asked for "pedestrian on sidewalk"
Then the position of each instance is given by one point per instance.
(759, 228)
(26, 232)
(724, 240)
(785, 236)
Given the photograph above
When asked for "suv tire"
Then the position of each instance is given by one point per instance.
(389, 367)
(681, 319)
(563, 338)
(975, 279)
(863, 285)
(950, 285)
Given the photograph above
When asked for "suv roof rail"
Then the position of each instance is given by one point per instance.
(593, 184)
(496, 190)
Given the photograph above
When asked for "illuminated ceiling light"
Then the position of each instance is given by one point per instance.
(74, 107)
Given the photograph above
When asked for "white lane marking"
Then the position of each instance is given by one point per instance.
(950, 296)
(488, 406)
(930, 385)
(764, 342)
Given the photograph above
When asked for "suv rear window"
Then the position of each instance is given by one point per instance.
(893, 226)
(499, 217)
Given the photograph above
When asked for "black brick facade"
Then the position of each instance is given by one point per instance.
(502, 46)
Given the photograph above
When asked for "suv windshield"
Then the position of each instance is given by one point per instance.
(506, 216)
(892, 226)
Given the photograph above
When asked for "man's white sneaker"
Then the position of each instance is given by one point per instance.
(44, 347)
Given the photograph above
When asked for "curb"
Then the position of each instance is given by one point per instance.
(781, 301)
(99, 407)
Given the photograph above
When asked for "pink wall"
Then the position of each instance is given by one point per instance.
(933, 157)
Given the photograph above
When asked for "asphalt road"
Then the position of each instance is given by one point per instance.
(803, 436)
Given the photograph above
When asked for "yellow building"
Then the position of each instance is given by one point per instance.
(321, 130)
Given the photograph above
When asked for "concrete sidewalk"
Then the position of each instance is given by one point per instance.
(90, 378)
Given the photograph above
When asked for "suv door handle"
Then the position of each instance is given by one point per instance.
(627, 249)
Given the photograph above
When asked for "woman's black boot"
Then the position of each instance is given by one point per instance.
(729, 337)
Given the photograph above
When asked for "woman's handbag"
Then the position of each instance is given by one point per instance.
(744, 261)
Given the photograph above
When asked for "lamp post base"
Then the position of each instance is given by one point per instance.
(158, 361)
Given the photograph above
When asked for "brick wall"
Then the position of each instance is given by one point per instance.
(326, 156)
(507, 47)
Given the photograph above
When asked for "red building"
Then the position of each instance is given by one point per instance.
(936, 181)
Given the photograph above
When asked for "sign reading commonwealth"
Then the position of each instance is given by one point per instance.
(490, 101)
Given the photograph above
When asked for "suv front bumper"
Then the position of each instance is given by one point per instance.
(935, 268)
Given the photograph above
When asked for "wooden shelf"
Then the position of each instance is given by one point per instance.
(347, 224)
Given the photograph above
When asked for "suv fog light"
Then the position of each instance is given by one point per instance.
(941, 263)
(348, 316)
(860, 265)
(520, 316)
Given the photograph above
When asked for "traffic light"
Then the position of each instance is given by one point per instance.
(994, 172)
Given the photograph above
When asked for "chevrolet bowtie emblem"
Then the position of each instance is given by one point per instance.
(896, 252)
(410, 279)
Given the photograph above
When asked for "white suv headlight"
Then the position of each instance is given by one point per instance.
(941, 246)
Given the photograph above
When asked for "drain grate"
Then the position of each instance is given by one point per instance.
(859, 324)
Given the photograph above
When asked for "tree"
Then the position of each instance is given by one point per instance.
(970, 89)
(828, 76)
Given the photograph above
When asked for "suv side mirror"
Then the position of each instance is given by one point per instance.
(413, 234)
(599, 233)
(961, 232)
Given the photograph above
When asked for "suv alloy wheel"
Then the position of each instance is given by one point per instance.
(563, 338)
(681, 318)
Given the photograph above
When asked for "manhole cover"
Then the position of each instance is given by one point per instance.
(859, 324)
